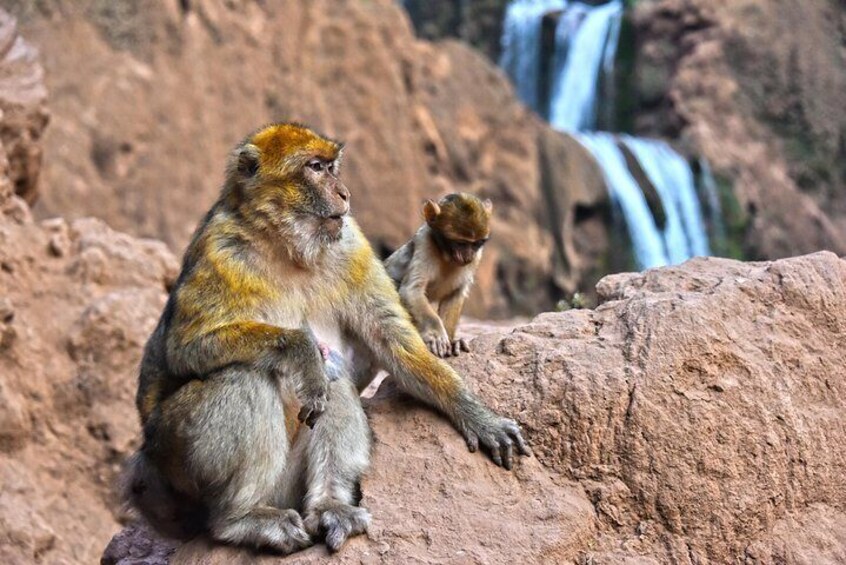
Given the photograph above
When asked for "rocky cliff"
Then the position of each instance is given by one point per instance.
(149, 101)
(697, 415)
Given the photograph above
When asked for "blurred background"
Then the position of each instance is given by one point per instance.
(611, 136)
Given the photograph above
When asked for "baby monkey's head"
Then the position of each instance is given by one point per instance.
(460, 224)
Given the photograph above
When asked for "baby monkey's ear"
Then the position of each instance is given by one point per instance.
(246, 160)
(488, 205)
(431, 210)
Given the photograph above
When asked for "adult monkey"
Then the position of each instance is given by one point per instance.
(276, 268)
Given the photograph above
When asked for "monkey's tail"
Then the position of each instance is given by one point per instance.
(170, 513)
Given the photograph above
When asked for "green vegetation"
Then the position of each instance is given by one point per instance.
(625, 101)
(478, 22)
(736, 221)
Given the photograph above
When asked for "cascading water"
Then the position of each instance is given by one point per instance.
(647, 241)
(671, 175)
(585, 44)
(521, 46)
(586, 39)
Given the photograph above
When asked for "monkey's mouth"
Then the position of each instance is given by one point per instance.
(332, 223)
(462, 258)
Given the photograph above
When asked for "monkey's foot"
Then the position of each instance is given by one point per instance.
(295, 537)
(337, 522)
(279, 530)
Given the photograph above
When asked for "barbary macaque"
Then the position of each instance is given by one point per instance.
(279, 312)
(434, 271)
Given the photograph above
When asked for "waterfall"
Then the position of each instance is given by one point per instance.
(585, 45)
(521, 46)
(647, 240)
(671, 175)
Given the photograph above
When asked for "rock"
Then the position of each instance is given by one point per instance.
(696, 416)
(703, 400)
(23, 114)
(129, 145)
(70, 344)
(138, 544)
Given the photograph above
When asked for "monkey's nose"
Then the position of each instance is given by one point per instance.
(344, 193)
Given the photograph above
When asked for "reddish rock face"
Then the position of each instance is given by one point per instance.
(148, 103)
(77, 303)
(698, 414)
(22, 112)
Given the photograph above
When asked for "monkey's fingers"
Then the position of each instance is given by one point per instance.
(513, 430)
(305, 415)
(312, 419)
(458, 346)
(507, 452)
(472, 441)
(310, 412)
(492, 446)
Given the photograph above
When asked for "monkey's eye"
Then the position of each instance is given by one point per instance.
(479, 243)
(316, 165)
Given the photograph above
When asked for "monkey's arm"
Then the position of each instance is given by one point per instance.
(280, 351)
(412, 292)
(450, 311)
(382, 323)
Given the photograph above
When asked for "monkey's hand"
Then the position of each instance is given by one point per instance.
(311, 410)
(437, 341)
(498, 436)
(306, 357)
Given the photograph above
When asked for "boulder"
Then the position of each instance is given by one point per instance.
(698, 415)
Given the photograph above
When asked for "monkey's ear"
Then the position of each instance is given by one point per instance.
(488, 205)
(247, 160)
(431, 210)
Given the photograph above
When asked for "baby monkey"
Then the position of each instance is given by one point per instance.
(435, 269)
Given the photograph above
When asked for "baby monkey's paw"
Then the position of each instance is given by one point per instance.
(459, 345)
(438, 343)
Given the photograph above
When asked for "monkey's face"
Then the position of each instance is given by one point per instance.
(460, 225)
(326, 201)
(290, 183)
